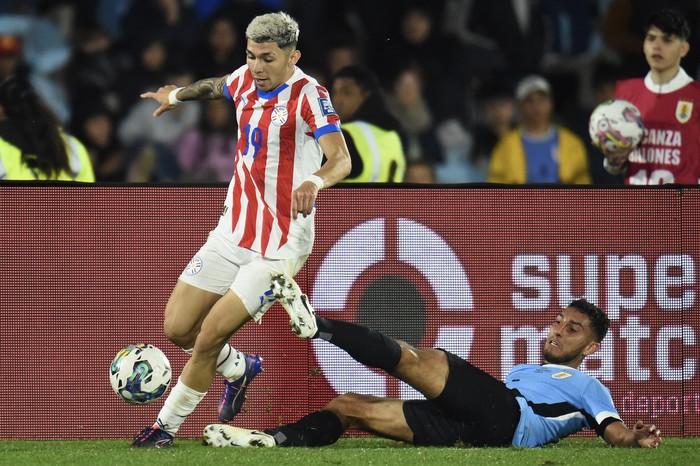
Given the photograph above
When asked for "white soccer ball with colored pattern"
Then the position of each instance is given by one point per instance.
(140, 374)
(616, 124)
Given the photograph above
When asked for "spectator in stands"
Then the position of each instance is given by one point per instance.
(496, 116)
(408, 103)
(171, 21)
(11, 63)
(150, 142)
(419, 43)
(574, 46)
(220, 50)
(33, 146)
(518, 28)
(43, 53)
(371, 132)
(206, 153)
(95, 126)
(147, 68)
(605, 75)
(420, 172)
(342, 53)
(96, 72)
(538, 151)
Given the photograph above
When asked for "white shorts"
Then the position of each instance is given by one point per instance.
(220, 265)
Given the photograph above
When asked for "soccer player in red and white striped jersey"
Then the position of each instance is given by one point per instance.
(670, 149)
(286, 125)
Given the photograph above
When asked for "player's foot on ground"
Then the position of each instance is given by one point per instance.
(222, 435)
(232, 399)
(152, 437)
(302, 315)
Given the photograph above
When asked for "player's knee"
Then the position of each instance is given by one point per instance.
(350, 406)
(209, 343)
(183, 338)
(412, 357)
(415, 362)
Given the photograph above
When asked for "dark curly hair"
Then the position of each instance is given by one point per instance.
(36, 127)
(599, 320)
(670, 22)
(374, 109)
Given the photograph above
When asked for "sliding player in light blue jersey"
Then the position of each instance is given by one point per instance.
(537, 405)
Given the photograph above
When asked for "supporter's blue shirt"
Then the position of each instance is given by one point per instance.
(541, 156)
(557, 401)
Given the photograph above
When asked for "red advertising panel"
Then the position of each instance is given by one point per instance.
(480, 272)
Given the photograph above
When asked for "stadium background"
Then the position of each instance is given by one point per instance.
(443, 64)
(477, 270)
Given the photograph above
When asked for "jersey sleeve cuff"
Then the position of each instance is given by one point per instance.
(330, 128)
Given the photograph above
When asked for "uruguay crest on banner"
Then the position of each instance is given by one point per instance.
(684, 110)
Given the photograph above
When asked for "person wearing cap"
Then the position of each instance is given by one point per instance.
(33, 48)
(538, 150)
(9, 56)
(33, 146)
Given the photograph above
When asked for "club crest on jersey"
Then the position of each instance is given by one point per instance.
(684, 110)
(562, 375)
(326, 106)
(279, 115)
(194, 267)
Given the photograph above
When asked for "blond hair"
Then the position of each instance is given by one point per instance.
(274, 27)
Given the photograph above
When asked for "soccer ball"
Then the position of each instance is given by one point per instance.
(140, 374)
(616, 124)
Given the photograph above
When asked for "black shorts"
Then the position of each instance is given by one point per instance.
(474, 409)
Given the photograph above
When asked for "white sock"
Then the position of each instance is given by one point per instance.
(230, 363)
(180, 404)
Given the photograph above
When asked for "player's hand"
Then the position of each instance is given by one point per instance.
(616, 158)
(160, 96)
(303, 199)
(648, 436)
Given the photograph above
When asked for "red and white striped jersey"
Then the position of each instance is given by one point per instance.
(670, 149)
(277, 149)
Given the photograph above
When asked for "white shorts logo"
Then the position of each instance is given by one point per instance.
(279, 116)
(194, 266)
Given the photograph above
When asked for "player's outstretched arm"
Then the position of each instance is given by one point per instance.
(170, 96)
(336, 168)
(641, 435)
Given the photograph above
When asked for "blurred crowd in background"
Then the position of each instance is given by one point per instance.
(449, 70)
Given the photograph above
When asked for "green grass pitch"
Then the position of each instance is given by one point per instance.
(348, 451)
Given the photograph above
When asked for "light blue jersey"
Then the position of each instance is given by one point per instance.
(542, 160)
(557, 401)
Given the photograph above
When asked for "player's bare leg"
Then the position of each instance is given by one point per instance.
(226, 316)
(381, 416)
(425, 369)
(185, 312)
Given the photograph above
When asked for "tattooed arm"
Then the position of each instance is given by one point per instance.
(204, 89)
